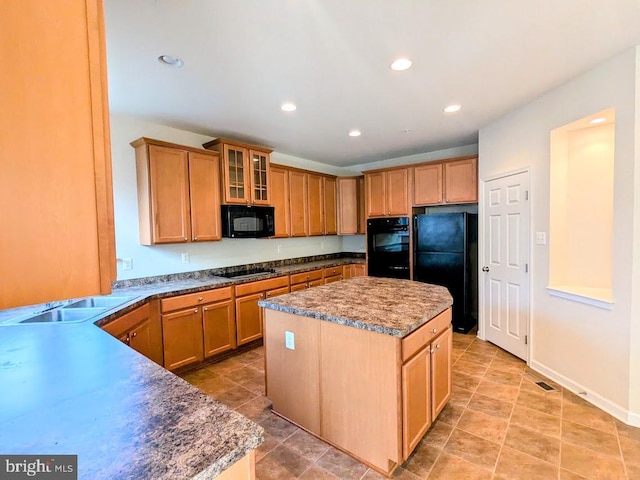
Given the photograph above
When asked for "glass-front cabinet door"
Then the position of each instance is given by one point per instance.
(259, 177)
(236, 188)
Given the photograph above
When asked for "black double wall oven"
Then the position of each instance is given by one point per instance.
(388, 247)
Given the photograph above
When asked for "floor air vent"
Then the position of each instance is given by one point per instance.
(544, 386)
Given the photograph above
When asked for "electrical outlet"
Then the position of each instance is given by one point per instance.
(185, 258)
(127, 263)
(279, 248)
(289, 340)
(541, 238)
(321, 245)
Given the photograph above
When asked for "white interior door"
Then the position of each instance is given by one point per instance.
(505, 265)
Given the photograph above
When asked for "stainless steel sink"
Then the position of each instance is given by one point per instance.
(98, 302)
(78, 311)
(65, 315)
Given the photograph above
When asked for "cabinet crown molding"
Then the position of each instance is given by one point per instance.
(222, 141)
(161, 143)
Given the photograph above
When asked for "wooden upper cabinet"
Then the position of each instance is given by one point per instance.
(178, 193)
(348, 205)
(298, 204)
(461, 181)
(204, 191)
(55, 187)
(427, 184)
(362, 213)
(245, 171)
(387, 193)
(280, 201)
(316, 204)
(375, 194)
(329, 188)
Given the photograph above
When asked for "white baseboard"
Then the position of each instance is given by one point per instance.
(622, 414)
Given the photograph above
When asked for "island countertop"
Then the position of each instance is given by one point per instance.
(384, 305)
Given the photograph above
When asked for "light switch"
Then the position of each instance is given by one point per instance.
(541, 238)
(289, 340)
(127, 263)
(279, 248)
(185, 258)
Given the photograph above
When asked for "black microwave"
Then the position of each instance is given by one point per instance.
(247, 221)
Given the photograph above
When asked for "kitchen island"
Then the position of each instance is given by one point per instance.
(364, 363)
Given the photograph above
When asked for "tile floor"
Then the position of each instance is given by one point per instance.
(498, 425)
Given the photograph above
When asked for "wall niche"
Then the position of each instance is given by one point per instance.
(581, 216)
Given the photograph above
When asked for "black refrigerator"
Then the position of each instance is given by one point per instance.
(445, 249)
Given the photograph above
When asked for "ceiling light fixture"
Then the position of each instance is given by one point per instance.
(170, 61)
(355, 133)
(288, 107)
(595, 121)
(452, 108)
(401, 64)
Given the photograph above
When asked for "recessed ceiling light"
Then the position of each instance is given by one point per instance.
(452, 108)
(288, 107)
(595, 121)
(170, 61)
(401, 64)
(355, 133)
(406, 130)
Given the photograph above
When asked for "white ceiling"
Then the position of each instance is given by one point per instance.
(243, 58)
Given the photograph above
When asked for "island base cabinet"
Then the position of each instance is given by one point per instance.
(416, 400)
(243, 469)
(441, 350)
(301, 362)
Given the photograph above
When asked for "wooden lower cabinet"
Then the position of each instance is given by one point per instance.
(219, 327)
(354, 270)
(248, 313)
(302, 280)
(141, 330)
(243, 469)
(333, 274)
(370, 394)
(196, 326)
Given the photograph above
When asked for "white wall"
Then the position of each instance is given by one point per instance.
(164, 259)
(581, 346)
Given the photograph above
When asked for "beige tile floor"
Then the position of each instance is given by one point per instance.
(498, 425)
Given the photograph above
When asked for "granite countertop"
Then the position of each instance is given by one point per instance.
(74, 389)
(385, 305)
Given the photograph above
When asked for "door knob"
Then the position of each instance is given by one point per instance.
(485, 269)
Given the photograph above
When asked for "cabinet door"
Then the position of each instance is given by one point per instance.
(280, 200)
(441, 349)
(348, 206)
(249, 318)
(140, 338)
(236, 174)
(316, 204)
(298, 204)
(362, 214)
(358, 270)
(55, 187)
(169, 182)
(259, 166)
(375, 194)
(416, 400)
(461, 181)
(182, 338)
(219, 327)
(398, 192)
(329, 188)
(347, 271)
(427, 184)
(204, 188)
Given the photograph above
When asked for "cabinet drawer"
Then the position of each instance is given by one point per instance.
(276, 292)
(306, 276)
(423, 335)
(334, 278)
(200, 298)
(332, 271)
(261, 286)
(128, 320)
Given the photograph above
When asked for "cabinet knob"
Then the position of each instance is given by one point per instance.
(268, 294)
(134, 334)
(199, 299)
(127, 340)
(205, 309)
(185, 239)
(433, 330)
(195, 310)
(438, 346)
(195, 239)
